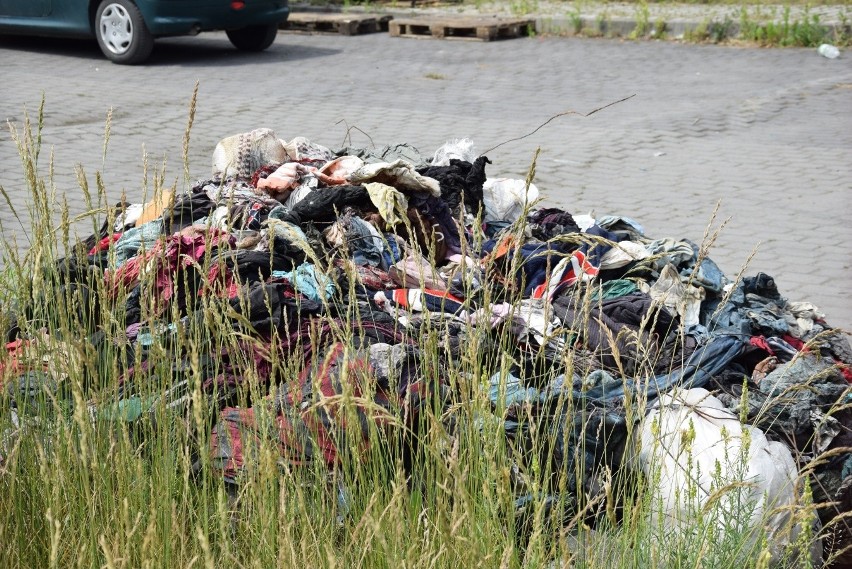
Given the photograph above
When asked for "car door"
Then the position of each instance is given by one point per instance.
(25, 8)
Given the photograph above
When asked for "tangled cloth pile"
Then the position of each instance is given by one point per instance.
(299, 242)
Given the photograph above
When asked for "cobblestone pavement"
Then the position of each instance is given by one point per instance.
(764, 134)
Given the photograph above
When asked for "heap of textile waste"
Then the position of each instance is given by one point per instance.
(304, 246)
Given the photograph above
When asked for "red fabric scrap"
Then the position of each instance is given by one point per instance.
(104, 243)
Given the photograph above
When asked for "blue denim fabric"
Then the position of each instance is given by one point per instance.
(308, 281)
(133, 240)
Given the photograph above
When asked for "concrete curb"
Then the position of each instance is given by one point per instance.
(705, 30)
(655, 25)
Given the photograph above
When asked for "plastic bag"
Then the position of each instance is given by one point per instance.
(505, 198)
(696, 453)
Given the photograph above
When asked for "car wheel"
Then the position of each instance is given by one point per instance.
(122, 33)
(253, 38)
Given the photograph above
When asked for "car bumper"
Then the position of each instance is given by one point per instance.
(179, 17)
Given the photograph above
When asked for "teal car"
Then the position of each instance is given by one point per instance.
(126, 29)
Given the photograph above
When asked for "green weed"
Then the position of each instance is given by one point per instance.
(643, 22)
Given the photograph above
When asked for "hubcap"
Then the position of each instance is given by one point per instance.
(116, 28)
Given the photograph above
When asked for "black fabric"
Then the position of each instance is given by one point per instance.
(133, 306)
(324, 204)
(460, 181)
(252, 266)
(434, 209)
(547, 223)
(626, 319)
(580, 437)
(269, 306)
(188, 209)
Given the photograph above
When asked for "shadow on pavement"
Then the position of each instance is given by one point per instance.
(205, 50)
(64, 47)
(214, 50)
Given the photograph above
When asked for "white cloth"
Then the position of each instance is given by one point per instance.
(397, 174)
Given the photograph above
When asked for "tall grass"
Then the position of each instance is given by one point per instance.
(101, 473)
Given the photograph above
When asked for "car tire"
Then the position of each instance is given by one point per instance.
(253, 38)
(122, 33)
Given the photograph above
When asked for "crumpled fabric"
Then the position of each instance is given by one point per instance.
(342, 167)
(170, 261)
(218, 219)
(371, 278)
(547, 223)
(582, 266)
(615, 329)
(247, 208)
(463, 276)
(460, 182)
(136, 239)
(389, 361)
(605, 290)
(705, 274)
(300, 149)
(417, 272)
(241, 154)
(389, 201)
(289, 232)
(325, 204)
(389, 153)
(359, 238)
(309, 281)
(802, 317)
(754, 307)
(532, 271)
(187, 210)
(505, 389)
(533, 321)
(679, 298)
(670, 251)
(626, 228)
(706, 361)
(794, 389)
(365, 243)
(287, 177)
(622, 254)
(306, 423)
(250, 211)
(271, 306)
(398, 174)
(571, 438)
(127, 218)
(250, 266)
(426, 209)
(398, 301)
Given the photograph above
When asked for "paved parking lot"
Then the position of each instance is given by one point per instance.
(765, 134)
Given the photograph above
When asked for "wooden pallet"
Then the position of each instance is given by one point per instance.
(343, 24)
(481, 29)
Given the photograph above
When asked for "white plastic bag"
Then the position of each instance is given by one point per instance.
(459, 149)
(506, 198)
(692, 449)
